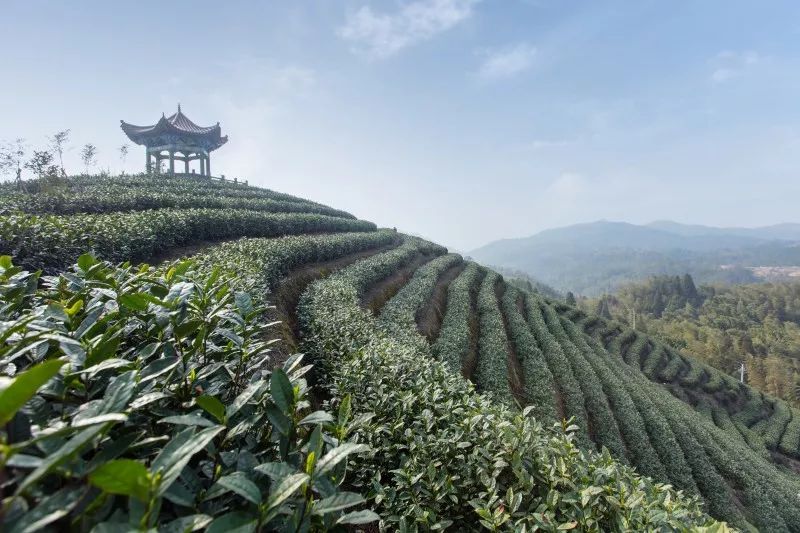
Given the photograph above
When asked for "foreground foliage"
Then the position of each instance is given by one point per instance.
(136, 398)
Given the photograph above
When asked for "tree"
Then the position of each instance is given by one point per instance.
(57, 143)
(123, 155)
(689, 290)
(41, 163)
(12, 157)
(602, 308)
(571, 299)
(89, 156)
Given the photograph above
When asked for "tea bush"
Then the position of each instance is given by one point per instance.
(50, 195)
(568, 387)
(539, 384)
(445, 456)
(401, 310)
(632, 427)
(105, 196)
(52, 242)
(492, 371)
(136, 398)
(604, 424)
(453, 343)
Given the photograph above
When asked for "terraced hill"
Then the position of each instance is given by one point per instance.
(392, 324)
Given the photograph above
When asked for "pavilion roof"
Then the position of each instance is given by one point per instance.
(178, 125)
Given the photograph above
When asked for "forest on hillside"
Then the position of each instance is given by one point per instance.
(757, 325)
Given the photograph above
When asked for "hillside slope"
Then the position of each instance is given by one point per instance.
(392, 324)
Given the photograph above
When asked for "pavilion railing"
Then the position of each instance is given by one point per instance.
(221, 178)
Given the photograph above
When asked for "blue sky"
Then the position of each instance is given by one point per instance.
(461, 120)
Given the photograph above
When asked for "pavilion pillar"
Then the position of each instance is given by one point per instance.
(147, 161)
(208, 164)
(202, 166)
(172, 162)
(185, 163)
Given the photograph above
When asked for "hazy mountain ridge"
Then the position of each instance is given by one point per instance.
(595, 257)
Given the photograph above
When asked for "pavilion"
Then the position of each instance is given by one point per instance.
(176, 138)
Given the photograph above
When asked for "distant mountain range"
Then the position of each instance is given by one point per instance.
(788, 231)
(596, 257)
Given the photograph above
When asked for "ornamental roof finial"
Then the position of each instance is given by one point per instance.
(179, 107)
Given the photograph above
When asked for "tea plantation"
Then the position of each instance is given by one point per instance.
(143, 391)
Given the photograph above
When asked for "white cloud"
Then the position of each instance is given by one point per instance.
(507, 62)
(728, 65)
(380, 35)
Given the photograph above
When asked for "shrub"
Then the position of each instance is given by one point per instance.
(443, 455)
(52, 242)
(629, 420)
(453, 343)
(540, 387)
(604, 425)
(492, 371)
(141, 399)
(568, 387)
(401, 310)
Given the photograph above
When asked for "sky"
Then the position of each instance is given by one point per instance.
(464, 121)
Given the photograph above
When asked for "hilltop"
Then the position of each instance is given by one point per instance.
(597, 257)
(433, 394)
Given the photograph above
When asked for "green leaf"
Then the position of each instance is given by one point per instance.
(317, 417)
(567, 525)
(134, 301)
(244, 303)
(177, 453)
(62, 454)
(122, 476)
(158, 368)
(329, 461)
(57, 311)
(188, 420)
(284, 490)
(276, 471)
(345, 411)
(50, 509)
(148, 398)
(105, 365)
(212, 406)
(238, 483)
(243, 398)
(279, 421)
(103, 349)
(281, 390)
(86, 261)
(186, 524)
(24, 386)
(337, 502)
(185, 328)
(235, 522)
(359, 517)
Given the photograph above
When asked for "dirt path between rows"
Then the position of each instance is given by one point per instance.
(429, 318)
(516, 381)
(287, 295)
(376, 296)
